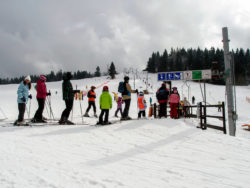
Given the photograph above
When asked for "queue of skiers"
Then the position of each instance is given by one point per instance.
(163, 96)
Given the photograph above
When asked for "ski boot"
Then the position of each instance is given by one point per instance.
(95, 115)
(86, 114)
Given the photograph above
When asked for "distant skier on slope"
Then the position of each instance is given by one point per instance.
(174, 100)
(22, 99)
(105, 105)
(162, 96)
(91, 99)
(68, 97)
(41, 96)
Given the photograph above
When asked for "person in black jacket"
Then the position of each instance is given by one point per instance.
(162, 96)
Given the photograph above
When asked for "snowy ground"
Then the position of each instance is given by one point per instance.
(144, 153)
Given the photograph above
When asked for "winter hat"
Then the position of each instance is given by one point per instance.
(27, 78)
(141, 93)
(126, 78)
(163, 85)
(43, 78)
(174, 88)
(69, 75)
(105, 88)
(93, 87)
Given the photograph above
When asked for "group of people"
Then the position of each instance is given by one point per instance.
(163, 96)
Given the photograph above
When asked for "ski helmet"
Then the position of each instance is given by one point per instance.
(105, 88)
(126, 78)
(43, 78)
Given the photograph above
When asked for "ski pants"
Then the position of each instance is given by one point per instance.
(21, 109)
(126, 108)
(143, 113)
(106, 118)
(174, 112)
(163, 110)
(91, 103)
(118, 110)
(69, 106)
(39, 112)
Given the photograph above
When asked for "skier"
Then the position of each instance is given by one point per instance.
(41, 96)
(119, 102)
(22, 99)
(219, 107)
(68, 97)
(91, 98)
(174, 100)
(126, 96)
(141, 105)
(105, 105)
(162, 96)
(193, 100)
(186, 108)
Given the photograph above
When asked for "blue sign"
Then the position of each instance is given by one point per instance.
(168, 76)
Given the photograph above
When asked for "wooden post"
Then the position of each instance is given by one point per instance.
(205, 117)
(201, 115)
(224, 118)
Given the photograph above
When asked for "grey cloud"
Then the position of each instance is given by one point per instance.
(43, 35)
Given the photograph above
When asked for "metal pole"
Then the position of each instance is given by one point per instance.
(229, 82)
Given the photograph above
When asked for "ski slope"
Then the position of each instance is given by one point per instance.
(138, 153)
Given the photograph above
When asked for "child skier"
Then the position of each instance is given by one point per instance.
(91, 98)
(105, 105)
(41, 96)
(119, 106)
(174, 100)
(22, 99)
(141, 105)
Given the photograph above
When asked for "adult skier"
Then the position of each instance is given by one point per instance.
(22, 99)
(41, 97)
(174, 100)
(162, 96)
(91, 99)
(68, 97)
(105, 105)
(126, 96)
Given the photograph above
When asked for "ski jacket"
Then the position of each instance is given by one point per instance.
(119, 102)
(105, 101)
(174, 98)
(67, 90)
(127, 94)
(91, 95)
(23, 91)
(41, 89)
(162, 95)
(141, 103)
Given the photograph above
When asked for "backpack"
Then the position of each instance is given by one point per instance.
(121, 88)
(162, 94)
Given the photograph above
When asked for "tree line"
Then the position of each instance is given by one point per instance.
(182, 59)
(57, 76)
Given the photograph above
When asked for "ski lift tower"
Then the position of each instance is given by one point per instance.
(229, 83)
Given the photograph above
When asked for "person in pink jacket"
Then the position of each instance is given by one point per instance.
(174, 100)
(41, 96)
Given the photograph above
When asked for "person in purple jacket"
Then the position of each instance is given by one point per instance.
(119, 106)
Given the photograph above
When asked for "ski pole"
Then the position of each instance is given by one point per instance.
(29, 108)
(46, 107)
(80, 106)
(51, 111)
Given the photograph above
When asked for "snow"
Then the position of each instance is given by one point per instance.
(138, 153)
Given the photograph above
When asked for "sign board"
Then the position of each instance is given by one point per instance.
(185, 75)
(169, 76)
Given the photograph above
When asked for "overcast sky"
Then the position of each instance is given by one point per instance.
(37, 36)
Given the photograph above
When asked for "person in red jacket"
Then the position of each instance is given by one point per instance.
(91, 99)
(41, 96)
(174, 100)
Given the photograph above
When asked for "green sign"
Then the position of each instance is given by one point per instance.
(197, 75)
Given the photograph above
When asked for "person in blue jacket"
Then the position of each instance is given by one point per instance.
(22, 98)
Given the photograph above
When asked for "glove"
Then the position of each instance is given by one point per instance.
(23, 99)
(49, 94)
(76, 91)
(30, 96)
